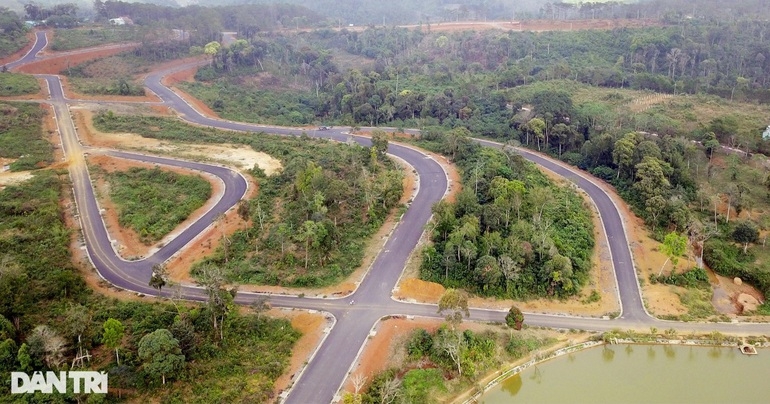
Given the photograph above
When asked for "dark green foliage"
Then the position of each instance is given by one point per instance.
(514, 318)
(518, 346)
(745, 233)
(22, 137)
(511, 232)
(448, 354)
(420, 344)
(728, 260)
(693, 278)
(239, 102)
(17, 84)
(153, 202)
(418, 384)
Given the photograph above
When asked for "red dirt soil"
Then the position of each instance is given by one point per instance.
(59, 61)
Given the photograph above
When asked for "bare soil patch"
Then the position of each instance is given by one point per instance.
(312, 326)
(56, 62)
(239, 156)
(12, 178)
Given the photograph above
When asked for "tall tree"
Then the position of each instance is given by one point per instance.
(514, 318)
(113, 335)
(160, 353)
(745, 233)
(674, 245)
(623, 154)
(220, 299)
(454, 304)
(159, 276)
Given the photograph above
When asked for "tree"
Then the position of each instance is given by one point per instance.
(674, 245)
(77, 322)
(514, 318)
(488, 271)
(160, 353)
(113, 335)
(24, 358)
(454, 303)
(745, 233)
(452, 343)
(307, 234)
(220, 299)
(651, 178)
(654, 207)
(159, 276)
(211, 49)
(380, 142)
(623, 153)
(537, 127)
(700, 233)
(711, 143)
(46, 344)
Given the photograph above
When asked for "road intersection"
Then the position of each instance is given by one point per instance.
(322, 378)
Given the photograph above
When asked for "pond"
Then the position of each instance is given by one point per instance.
(642, 374)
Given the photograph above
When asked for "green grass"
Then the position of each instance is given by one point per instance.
(153, 202)
(22, 137)
(697, 302)
(69, 39)
(249, 104)
(17, 84)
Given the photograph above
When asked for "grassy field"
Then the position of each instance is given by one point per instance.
(685, 113)
(17, 84)
(113, 75)
(153, 202)
(251, 104)
(69, 39)
(22, 137)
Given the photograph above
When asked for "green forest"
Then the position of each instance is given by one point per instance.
(512, 233)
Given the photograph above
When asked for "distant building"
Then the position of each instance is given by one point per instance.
(121, 21)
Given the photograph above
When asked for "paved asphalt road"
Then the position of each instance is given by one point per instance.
(321, 379)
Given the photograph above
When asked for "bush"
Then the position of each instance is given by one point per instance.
(694, 278)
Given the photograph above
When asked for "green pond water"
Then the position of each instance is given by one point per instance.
(642, 374)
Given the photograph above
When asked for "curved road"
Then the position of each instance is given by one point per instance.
(321, 379)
